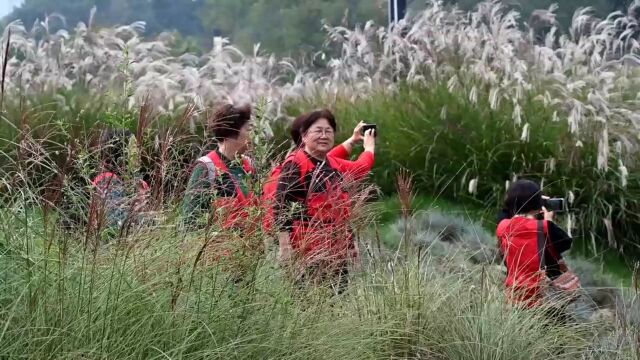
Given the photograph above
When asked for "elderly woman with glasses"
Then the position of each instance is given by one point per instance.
(313, 205)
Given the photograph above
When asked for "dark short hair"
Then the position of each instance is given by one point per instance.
(296, 135)
(112, 145)
(523, 197)
(227, 121)
(305, 121)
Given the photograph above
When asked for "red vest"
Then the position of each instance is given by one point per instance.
(269, 190)
(315, 203)
(234, 209)
(324, 231)
(519, 245)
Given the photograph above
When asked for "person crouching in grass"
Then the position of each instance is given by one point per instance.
(532, 246)
(119, 195)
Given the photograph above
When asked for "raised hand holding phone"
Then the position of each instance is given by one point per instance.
(367, 127)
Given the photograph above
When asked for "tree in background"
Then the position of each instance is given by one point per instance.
(32, 10)
(160, 15)
(286, 26)
(180, 15)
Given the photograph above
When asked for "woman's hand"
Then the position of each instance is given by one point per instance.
(355, 138)
(370, 141)
(548, 215)
(357, 133)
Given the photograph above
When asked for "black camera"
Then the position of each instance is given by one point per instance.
(555, 204)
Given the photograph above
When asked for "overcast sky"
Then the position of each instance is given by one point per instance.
(7, 5)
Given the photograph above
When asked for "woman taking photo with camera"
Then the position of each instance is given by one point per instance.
(532, 246)
(313, 203)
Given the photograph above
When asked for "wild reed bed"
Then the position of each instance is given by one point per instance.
(126, 300)
(463, 118)
(496, 100)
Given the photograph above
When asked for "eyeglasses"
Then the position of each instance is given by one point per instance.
(322, 132)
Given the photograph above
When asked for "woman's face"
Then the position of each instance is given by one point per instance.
(244, 136)
(320, 137)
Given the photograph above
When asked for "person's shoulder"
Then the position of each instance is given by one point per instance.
(109, 184)
(105, 179)
(199, 168)
(502, 226)
(297, 157)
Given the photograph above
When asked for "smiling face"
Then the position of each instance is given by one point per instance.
(319, 138)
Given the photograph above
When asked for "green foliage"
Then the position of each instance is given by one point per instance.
(285, 26)
(160, 15)
(447, 141)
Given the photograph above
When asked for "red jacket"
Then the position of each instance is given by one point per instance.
(321, 229)
(362, 165)
(522, 254)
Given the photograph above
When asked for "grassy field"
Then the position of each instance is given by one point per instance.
(463, 120)
(138, 297)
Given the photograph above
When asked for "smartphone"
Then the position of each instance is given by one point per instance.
(555, 204)
(367, 127)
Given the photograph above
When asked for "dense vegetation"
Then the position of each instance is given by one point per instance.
(286, 27)
(464, 103)
(555, 110)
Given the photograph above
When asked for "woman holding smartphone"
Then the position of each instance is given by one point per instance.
(313, 205)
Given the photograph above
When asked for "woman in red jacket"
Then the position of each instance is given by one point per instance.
(312, 200)
(531, 263)
(342, 151)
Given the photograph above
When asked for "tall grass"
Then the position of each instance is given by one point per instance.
(69, 289)
(119, 302)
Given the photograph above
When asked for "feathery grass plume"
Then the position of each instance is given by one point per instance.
(525, 133)
(624, 174)
(404, 187)
(473, 186)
